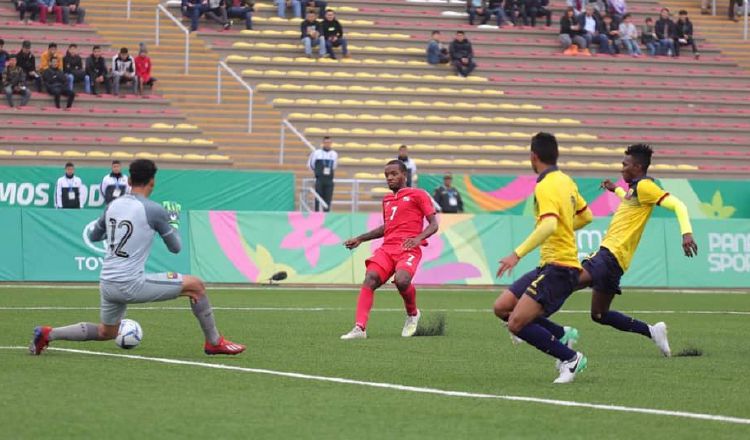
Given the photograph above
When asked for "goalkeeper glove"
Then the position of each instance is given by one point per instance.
(173, 211)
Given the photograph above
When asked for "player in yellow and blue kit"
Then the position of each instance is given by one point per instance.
(603, 270)
(525, 306)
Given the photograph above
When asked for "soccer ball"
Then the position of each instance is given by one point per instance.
(129, 335)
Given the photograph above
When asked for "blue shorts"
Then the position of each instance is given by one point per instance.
(605, 271)
(549, 285)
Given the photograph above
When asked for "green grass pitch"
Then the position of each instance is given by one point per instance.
(68, 395)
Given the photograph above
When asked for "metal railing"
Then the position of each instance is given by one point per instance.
(304, 206)
(186, 31)
(744, 32)
(250, 93)
(285, 124)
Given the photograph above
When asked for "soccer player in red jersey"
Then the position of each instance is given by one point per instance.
(403, 230)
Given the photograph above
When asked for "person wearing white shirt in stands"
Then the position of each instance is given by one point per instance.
(70, 193)
(114, 184)
(322, 163)
(411, 167)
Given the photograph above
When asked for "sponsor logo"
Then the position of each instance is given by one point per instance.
(729, 252)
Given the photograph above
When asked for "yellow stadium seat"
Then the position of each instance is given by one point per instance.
(217, 157)
(510, 163)
(520, 134)
(177, 140)
(192, 156)
(170, 156)
(299, 116)
(313, 87)
(122, 155)
(687, 167)
(486, 105)
(481, 119)
(147, 155)
(186, 127)
(238, 58)
(497, 134)
(348, 160)
(329, 102)
(202, 142)
(73, 153)
(305, 101)
(24, 153)
(160, 125)
(97, 154)
(429, 133)
(397, 118)
(440, 162)
(457, 118)
(380, 190)
(486, 163)
(372, 161)
(352, 102)
(491, 148)
(359, 131)
(266, 86)
(475, 134)
(6, 153)
(467, 147)
(46, 153)
(130, 140)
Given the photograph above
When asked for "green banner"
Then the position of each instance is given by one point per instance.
(11, 266)
(705, 199)
(194, 189)
(56, 247)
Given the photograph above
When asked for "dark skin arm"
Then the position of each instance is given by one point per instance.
(431, 228)
(372, 235)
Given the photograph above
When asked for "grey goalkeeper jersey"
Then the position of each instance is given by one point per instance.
(128, 225)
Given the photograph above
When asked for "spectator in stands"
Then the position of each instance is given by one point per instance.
(411, 167)
(736, 8)
(684, 34)
(312, 35)
(593, 29)
(462, 55)
(48, 55)
(477, 8)
(26, 61)
(96, 72)
(57, 84)
(665, 33)
(448, 197)
(49, 7)
(114, 184)
(14, 83)
(334, 34)
(533, 9)
(629, 35)
(70, 192)
(242, 9)
(617, 9)
(571, 37)
(194, 9)
(71, 7)
(123, 71)
(217, 11)
(143, 70)
(3, 56)
(495, 7)
(612, 30)
(323, 163)
(436, 52)
(321, 6)
(296, 6)
(513, 10)
(579, 6)
(33, 7)
(73, 68)
(648, 37)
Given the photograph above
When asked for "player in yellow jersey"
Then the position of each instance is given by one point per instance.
(525, 306)
(603, 270)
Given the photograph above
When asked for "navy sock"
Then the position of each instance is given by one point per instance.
(557, 330)
(625, 323)
(543, 340)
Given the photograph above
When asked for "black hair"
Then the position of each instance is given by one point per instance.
(72, 46)
(435, 32)
(460, 32)
(682, 12)
(664, 9)
(649, 19)
(95, 47)
(402, 146)
(326, 138)
(641, 153)
(115, 162)
(544, 145)
(401, 165)
(123, 50)
(626, 16)
(69, 164)
(142, 171)
(51, 45)
(2, 42)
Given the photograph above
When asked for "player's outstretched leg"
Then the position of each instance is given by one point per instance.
(504, 306)
(83, 331)
(600, 313)
(522, 324)
(408, 292)
(215, 343)
(364, 305)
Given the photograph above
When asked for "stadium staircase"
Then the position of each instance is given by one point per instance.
(97, 129)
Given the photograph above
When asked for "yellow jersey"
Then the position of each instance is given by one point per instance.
(630, 219)
(557, 194)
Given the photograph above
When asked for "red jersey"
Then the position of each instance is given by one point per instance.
(143, 67)
(404, 213)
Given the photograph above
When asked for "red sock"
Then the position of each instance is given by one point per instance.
(364, 304)
(410, 300)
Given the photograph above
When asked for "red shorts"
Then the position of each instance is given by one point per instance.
(386, 261)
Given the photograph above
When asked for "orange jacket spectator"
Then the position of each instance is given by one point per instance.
(47, 56)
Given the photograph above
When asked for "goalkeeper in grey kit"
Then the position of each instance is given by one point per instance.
(128, 225)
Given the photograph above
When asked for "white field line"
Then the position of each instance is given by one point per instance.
(347, 309)
(467, 289)
(413, 389)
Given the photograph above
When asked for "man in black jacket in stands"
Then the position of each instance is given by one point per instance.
(334, 34)
(666, 33)
(26, 61)
(684, 34)
(462, 55)
(96, 70)
(57, 83)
